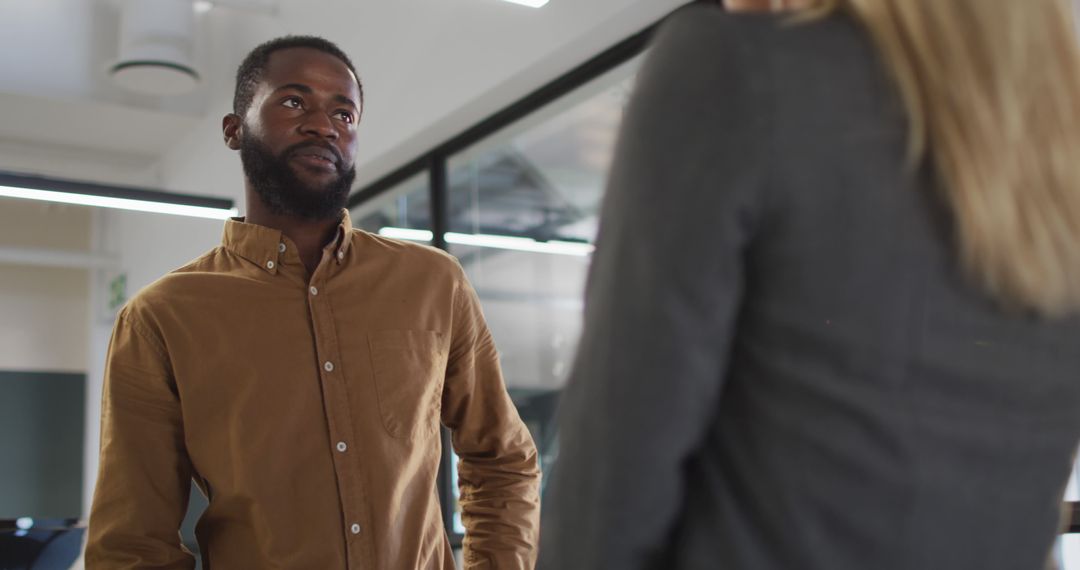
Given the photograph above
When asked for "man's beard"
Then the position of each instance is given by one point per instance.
(282, 190)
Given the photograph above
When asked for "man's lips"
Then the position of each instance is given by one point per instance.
(316, 156)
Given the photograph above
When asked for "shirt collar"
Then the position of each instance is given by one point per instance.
(263, 246)
(343, 240)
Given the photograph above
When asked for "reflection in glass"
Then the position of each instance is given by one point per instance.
(522, 217)
(407, 206)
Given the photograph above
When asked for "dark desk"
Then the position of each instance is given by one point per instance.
(40, 544)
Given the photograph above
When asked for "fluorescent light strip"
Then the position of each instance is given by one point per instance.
(119, 203)
(495, 242)
(529, 3)
(403, 233)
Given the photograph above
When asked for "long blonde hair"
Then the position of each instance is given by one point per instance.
(992, 90)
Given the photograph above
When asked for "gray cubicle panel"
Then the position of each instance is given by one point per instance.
(42, 424)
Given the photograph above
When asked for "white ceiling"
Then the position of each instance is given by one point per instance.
(431, 68)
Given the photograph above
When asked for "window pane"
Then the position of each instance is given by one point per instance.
(523, 207)
(404, 211)
(523, 214)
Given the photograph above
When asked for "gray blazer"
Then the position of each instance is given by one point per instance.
(783, 366)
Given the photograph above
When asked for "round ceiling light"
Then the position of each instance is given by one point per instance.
(156, 42)
(155, 77)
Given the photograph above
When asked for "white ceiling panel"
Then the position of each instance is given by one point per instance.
(431, 68)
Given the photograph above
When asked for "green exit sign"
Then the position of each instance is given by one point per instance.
(117, 291)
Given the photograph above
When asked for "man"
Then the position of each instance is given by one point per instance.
(299, 372)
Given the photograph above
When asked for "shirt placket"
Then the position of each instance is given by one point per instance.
(336, 400)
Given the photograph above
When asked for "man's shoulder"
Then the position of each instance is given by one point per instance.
(175, 285)
(408, 255)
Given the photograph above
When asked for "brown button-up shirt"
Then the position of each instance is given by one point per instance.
(307, 408)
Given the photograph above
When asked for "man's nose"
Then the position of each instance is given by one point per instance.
(319, 124)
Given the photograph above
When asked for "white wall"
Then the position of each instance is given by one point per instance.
(44, 315)
(43, 309)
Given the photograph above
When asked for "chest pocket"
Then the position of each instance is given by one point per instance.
(409, 368)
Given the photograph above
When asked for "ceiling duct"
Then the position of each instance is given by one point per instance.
(156, 44)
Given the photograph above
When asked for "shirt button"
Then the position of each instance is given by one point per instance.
(281, 247)
(314, 290)
(341, 446)
(329, 366)
(269, 264)
(355, 528)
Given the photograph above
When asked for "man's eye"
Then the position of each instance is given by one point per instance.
(345, 116)
(292, 103)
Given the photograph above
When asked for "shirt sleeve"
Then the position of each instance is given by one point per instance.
(663, 295)
(498, 472)
(144, 474)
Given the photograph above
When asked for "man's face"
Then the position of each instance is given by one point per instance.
(297, 140)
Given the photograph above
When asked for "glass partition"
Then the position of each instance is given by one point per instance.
(402, 212)
(522, 213)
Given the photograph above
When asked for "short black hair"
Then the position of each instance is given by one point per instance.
(254, 66)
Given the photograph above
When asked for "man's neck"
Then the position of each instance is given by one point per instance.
(309, 236)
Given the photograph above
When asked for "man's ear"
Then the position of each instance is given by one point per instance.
(231, 126)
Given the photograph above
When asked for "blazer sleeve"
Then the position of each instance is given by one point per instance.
(498, 472)
(663, 295)
(144, 474)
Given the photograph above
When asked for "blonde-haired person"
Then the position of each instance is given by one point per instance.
(832, 320)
